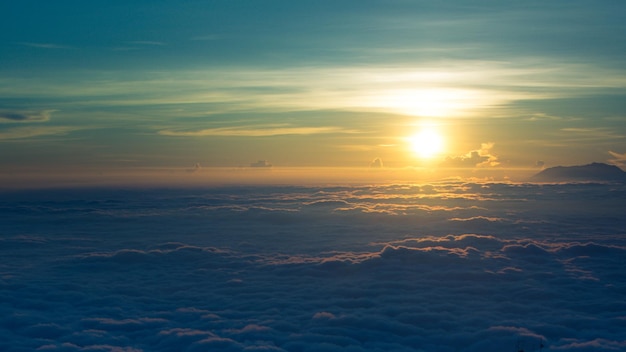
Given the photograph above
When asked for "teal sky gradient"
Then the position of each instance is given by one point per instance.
(135, 84)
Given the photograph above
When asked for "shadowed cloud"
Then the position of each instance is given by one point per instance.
(25, 116)
(283, 268)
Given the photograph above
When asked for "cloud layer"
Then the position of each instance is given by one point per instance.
(434, 267)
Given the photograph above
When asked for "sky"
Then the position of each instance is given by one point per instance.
(118, 86)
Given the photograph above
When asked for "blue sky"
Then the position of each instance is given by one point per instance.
(127, 85)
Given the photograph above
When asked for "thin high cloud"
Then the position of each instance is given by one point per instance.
(492, 30)
(618, 159)
(31, 132)
(25, 116)
(260, 132)
(332, 87)
(147, 42)
(591, 134)
(138, 45)
(45, 45)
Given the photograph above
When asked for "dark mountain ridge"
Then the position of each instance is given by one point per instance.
(589, 172)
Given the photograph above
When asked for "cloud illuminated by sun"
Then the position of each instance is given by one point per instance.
(440, 102)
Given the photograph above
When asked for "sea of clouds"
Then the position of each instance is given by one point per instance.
(448, 266)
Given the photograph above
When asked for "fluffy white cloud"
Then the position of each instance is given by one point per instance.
(482, 157)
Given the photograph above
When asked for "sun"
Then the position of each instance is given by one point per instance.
(427, 144)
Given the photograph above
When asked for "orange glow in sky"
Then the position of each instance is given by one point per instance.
(409, 83)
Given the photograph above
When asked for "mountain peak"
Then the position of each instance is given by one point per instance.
(590, 172)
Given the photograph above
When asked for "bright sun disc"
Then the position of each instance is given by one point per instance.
(427, 143)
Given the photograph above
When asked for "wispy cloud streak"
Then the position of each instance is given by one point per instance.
(256, 132)
(31, 132)
(25, 116)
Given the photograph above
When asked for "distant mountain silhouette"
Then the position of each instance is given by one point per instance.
(590, 172)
